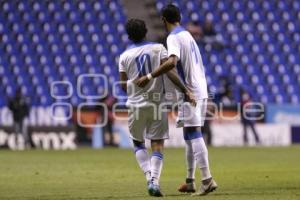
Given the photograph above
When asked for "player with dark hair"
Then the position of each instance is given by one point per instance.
(184, 54)
(146, 120)
(136, 30)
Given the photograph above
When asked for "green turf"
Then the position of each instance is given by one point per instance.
(242, 173)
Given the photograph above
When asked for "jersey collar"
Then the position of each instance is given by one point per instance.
(177, 29)
(139, 44)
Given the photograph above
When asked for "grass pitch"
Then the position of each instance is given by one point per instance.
(84, 174)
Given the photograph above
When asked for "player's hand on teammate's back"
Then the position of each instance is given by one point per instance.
(142, 81)
(191, 98)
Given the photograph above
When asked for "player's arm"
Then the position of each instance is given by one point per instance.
(173, 76)
(166, 66)
(173, 55)
(123, 79)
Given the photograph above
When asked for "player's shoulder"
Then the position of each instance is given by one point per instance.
(122, 56)
(132, 49)
(155, 49)
(177, 33)
(150, 44)
(157, 46)
(172, 37)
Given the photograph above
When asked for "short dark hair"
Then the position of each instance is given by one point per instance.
(136, 30)
(171, 13)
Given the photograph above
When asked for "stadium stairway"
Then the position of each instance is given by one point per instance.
(145, 10)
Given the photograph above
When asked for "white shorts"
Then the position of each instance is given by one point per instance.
(144, 123)
(190, 116)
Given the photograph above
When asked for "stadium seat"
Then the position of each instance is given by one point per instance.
(46, 41)
(262, 37)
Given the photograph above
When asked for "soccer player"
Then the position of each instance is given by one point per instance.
(184, 54)
(145, 117)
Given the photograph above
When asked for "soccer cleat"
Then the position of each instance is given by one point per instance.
(154, 190)
(206, 188)
(188, 187)
(150, 187)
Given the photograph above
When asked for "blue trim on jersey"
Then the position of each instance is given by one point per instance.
(158, 154)
(177, 29)
(192, 135)
(134, 45)
(180, 71)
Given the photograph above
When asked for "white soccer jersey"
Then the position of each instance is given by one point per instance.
(190, 67)
(139, 60)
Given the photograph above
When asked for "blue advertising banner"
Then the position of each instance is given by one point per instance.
(283, 113)
(296, 134)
